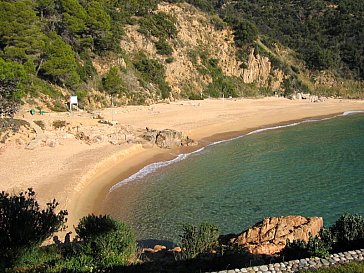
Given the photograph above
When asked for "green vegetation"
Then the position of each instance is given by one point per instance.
(47, 44)
(347, 233)
(153, 72)
(101, 241)
(112, 82)
(103, 244)
(326, 35)
(347, 268)
(160, 25)
(301, 249)
(24, 225)
(54, 42)
(198, 240)
(163, 48)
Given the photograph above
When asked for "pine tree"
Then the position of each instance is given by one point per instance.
(60, 65)
(112, 83)
(20, 33)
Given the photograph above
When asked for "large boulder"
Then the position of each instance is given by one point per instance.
(270, 235)
(167, 138)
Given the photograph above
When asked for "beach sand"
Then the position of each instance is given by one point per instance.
(79, 175)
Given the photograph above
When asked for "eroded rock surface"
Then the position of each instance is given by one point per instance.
(167, 138)
(270, 235)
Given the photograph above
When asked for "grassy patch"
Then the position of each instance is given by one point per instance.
(347, 268)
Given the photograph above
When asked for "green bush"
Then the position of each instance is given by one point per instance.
(245, 33)
(348, 231)
(154, 72)
(169, 60)
(217, 22)
(299, 249)
(112, 82)
(36, 257)
(24, 225)
(93, 226)
(160, 25)
(197, 240)
(163, 48)
(107, 241)
(195, 96)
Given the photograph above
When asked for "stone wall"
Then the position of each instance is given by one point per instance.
(303, 264)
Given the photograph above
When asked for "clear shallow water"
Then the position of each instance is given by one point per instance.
(312, 169)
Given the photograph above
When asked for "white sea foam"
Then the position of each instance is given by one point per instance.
(151, 168)
(352, 112)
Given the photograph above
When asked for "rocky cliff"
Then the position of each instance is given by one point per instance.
(198, 38)
(270, 235)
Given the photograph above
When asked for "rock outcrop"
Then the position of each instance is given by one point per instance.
(258, 70)
(167, 138)
(196, 37)
(270, 235)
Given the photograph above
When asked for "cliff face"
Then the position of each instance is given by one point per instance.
(197, 36)
(270, 235)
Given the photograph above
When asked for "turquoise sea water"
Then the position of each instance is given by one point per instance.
(311, 169)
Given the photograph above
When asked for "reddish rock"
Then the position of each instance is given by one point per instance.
(159, 248)
(270, 235)
(176, 249)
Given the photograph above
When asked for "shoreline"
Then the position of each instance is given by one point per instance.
(212, 141)
(209, 141)
(94, 169)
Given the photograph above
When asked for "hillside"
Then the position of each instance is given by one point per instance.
(141, 52)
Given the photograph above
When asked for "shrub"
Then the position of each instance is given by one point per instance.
(57, 124)
(169, 60)
(107, 241)
(163, 48)
(299, 249)
(197, 240)
(160, 25)
(93, 226)
(195, 96)
(24, 225)
(217, 22)
(348, 231)
(39, 256)
(152, 71)
(112, 82)
(223, 85)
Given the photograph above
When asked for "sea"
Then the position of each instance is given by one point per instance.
(313, 167)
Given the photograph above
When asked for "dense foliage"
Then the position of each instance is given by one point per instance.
(24, 225)
(153, 72)
(196, 240)
(301, 249)
(327, 35)
(51, 43)
(105, 242)
(348, 232)
(12, 79)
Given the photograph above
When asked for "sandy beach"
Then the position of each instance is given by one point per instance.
(79, 175)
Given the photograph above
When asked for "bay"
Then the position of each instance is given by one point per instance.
(312, 169)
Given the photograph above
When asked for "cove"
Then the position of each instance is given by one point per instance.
(310, 169)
